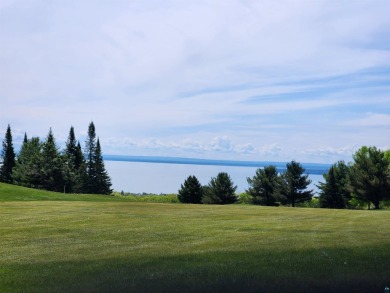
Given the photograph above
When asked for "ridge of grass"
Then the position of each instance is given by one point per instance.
(9, 192)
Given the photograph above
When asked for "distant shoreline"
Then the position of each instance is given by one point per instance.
(311, 168)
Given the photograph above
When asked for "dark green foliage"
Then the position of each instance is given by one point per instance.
(221, 190)
(102, 180)
(90, 151)
(7, 159)
(264, 186)
(295, 183)
(41, 165)
(79, 160)
(71, 146)
(96, 178)
(209, 197)
(52, 177)
(191, 191)
(27, 171)
(74, 164)
(369, 176)
(334, 192)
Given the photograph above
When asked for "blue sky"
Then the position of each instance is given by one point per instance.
(248, 80)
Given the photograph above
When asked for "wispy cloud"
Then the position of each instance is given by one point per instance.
(270, 79)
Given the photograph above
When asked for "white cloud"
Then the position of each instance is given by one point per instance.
(371, 120)
(200, 77)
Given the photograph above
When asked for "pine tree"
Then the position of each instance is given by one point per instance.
(295, 183)
(264, 186)
(7, 160)
(28, 168)
(70, 145)
(73, 164)
(334, 192)
(79, 160)
(191, 191)
(96, 178)
(81, 171)
(221, 190)
(369, 176)
(52, 166)
(103, 181)
(90, 153)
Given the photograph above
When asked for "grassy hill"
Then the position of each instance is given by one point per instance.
(53, 242)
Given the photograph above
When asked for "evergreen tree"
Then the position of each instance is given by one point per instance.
(74, 167)
(209, 197)
(191, 191)
(7, 160)
(334, 192)
(96, 177)
(28, 167)
(52, 176)
(369, 176)
(90, 153)
(264, 186)
(80, 166)
(221, 190)
(295, 184)
(103, 181)
(79, 159)
(71, 145)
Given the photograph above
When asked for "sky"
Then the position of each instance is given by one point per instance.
(305, 80)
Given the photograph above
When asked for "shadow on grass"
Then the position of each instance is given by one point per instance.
(341, 270)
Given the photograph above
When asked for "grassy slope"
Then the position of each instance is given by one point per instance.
(116, 245)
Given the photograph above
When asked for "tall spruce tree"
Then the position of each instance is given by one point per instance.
(90, 153)
(103, 181)
(81, 170)
(74, 166)
(7, 160)
(79, 159)
(71, 145)
(52, 167)
(221, 190)
(96, 178)
(28, 168)
(191, 191)
(334, 192)
(295, 183)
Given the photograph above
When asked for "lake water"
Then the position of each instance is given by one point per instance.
(165, 177)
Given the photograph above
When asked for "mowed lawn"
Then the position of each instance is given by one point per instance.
(111, 245)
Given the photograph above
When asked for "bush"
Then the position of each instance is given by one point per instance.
(147, 197)
(245, 198)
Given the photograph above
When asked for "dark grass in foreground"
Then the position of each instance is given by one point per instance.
(120, 246)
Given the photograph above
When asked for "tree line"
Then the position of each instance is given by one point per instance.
(365, 181)
(267, 187)
(41, 164)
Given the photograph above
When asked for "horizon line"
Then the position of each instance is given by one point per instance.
(311, 168)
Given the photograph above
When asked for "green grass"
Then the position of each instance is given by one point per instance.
(108, 244)
(16, 193)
